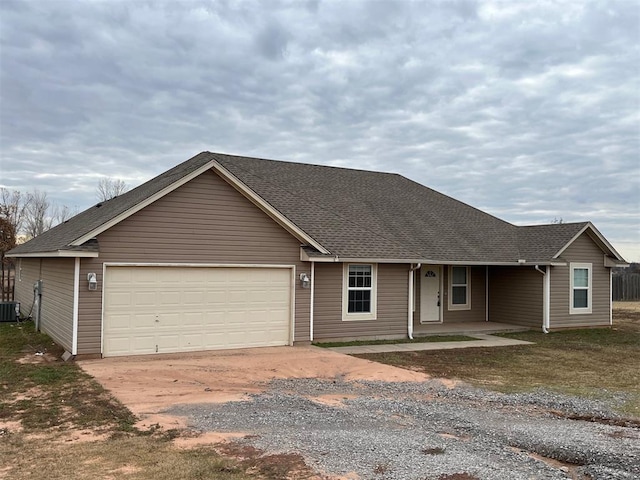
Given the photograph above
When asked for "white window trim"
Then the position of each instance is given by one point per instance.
(467, 304)
(589, 288)
(346, 316)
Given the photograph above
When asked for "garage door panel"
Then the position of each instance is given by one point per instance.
(169, 298)
(143, 344)
(198, 308)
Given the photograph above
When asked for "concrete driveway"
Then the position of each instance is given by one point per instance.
(149, 385)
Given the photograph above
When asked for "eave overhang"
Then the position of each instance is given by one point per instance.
(55, 254)
(329, 258)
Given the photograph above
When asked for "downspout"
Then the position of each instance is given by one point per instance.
(611, 297)
(313, 288)
(545, 298)
(410, 305)
(76, 299)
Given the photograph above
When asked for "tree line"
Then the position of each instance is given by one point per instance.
(25, 215)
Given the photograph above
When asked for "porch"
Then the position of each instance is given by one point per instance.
(479, 299)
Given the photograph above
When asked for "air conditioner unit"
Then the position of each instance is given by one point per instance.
(9, 311)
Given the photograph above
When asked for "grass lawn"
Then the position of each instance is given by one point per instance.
(594, 363)
(57, 422)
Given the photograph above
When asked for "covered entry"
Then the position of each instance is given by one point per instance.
(165, 309)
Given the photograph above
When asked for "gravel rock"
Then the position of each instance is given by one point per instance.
(405, 431)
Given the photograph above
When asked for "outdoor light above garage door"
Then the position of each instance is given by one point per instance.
(93, 281)
(306, 281)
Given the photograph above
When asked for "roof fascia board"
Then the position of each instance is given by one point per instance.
(259, 202)
(337, 259)
(599, 239)
(604, 241)
(556, 264)
(56, 253)
(145, 203)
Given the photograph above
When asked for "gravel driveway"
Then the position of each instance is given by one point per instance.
(426, 430)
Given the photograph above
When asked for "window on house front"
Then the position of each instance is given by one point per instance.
(580, 277)
(359, 302)
(459, 288)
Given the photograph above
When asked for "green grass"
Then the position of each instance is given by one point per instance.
(433, 338)
(594, 363)
(52, 393)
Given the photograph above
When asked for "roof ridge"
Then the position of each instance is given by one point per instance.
(376, 172)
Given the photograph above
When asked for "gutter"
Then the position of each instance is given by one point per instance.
(412, 269)
(545, 298)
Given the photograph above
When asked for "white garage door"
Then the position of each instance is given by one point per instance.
(182, 309)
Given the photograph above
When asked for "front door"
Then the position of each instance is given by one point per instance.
(430, 293)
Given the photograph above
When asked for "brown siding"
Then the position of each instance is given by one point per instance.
(204, 221)
(582, 250)
(392, 300)
(516, 296)
(477, 313)
(28, 271)
(57, 295)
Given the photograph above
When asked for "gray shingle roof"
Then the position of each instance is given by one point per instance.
(542, 242)
(351, 213)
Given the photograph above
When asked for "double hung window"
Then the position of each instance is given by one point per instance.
(459, 288)
(359, 296)
(580, 277)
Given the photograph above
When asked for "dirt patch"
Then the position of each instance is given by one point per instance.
(10, 427)
(332, 400)
(149, 385)
(288, 466)
(37, 358)
(569, 468)
(190, 439)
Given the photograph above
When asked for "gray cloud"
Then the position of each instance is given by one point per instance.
(529, 111)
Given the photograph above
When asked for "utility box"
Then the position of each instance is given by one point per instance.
(9, 311)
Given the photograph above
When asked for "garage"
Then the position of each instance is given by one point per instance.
(167, 309)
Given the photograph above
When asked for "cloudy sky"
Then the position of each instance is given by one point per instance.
(529, 110)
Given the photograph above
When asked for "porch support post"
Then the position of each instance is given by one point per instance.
(486, 294)
(410, 305)
(546, 296)
(412, 271)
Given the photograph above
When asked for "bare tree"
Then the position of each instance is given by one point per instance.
(37, 218)
(109, 188)
(60, 214)
(13, 207)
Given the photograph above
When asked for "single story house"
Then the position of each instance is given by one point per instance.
(224, 251)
